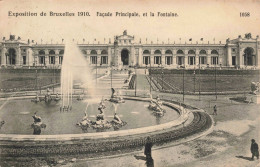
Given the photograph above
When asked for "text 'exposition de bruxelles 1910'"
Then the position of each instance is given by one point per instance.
(99, 14)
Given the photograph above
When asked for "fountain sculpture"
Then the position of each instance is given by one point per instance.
(156, 106)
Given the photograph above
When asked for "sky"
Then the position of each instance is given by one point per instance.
(196, 19)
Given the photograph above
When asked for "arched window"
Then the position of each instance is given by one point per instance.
(41, 52)
(203, 52)
(146, 52)
(168, 52)
(61, 52)
(104, 52)
(214, 52)
(83, 52)
(52, 52)
(180, 52)
(157, 52)
(93, 52)
(191, 52)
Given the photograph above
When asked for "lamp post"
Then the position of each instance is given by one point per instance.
(150, 75)
(183, 83)
(111, 74)
(135, 80)
(199, 79)
(194, 79)
(96, 71)
(162, 75)
(216, 80)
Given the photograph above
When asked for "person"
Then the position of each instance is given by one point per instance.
(100, 116)
(148, 149)
(215, 110)
(117, 119)
(254, 149)
(37, 124)
(36, 118)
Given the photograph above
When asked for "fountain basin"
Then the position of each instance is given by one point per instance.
(24, 145)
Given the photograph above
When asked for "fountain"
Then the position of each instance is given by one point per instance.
(74, 71)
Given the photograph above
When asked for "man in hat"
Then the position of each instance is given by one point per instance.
(254, 149)
(148, 149)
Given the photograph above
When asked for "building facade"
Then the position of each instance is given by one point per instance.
(125, 52)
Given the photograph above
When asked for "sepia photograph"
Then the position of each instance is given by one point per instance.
(120, 83)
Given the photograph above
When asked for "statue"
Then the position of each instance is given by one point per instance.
(248, 36)
(85, 123)
(156, 106)
(1, 124)
(57, 97)
(37, 125)
(125, 32)
(117, 122)
(36, 99)
(254, 87)
(116, 98)
(80, 97)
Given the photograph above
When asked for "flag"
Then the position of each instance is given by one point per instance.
(190, 39)
(201, 39)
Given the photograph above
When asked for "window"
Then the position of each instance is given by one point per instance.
(214, 52)
(214, 60)
(157, 59)
(93, 59)
(180, 52)
(202, 60)
(146, 60)
(84, 52)
(146, 52)
(51, 52)
(61, 52)
(42, 60)
(93, 52)
(168, 52)
(203, 52)
(41, 52)
(157, 52)
(104, 52)
(233, 60)
(104, 59)
(180, 60)
(191, 52)
(52, 59)
(191, 60)
(24, 60)
(168, 60)
(60, 59)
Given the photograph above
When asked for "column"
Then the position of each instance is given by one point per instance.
(132, 56)
(140, 56)
(208, 60)
(3, 56)
(19, 57)
(174, 60)
(229, 57)
(163, 58)
(109, 57)
(186, 60)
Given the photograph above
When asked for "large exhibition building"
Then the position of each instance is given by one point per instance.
(124, 52)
